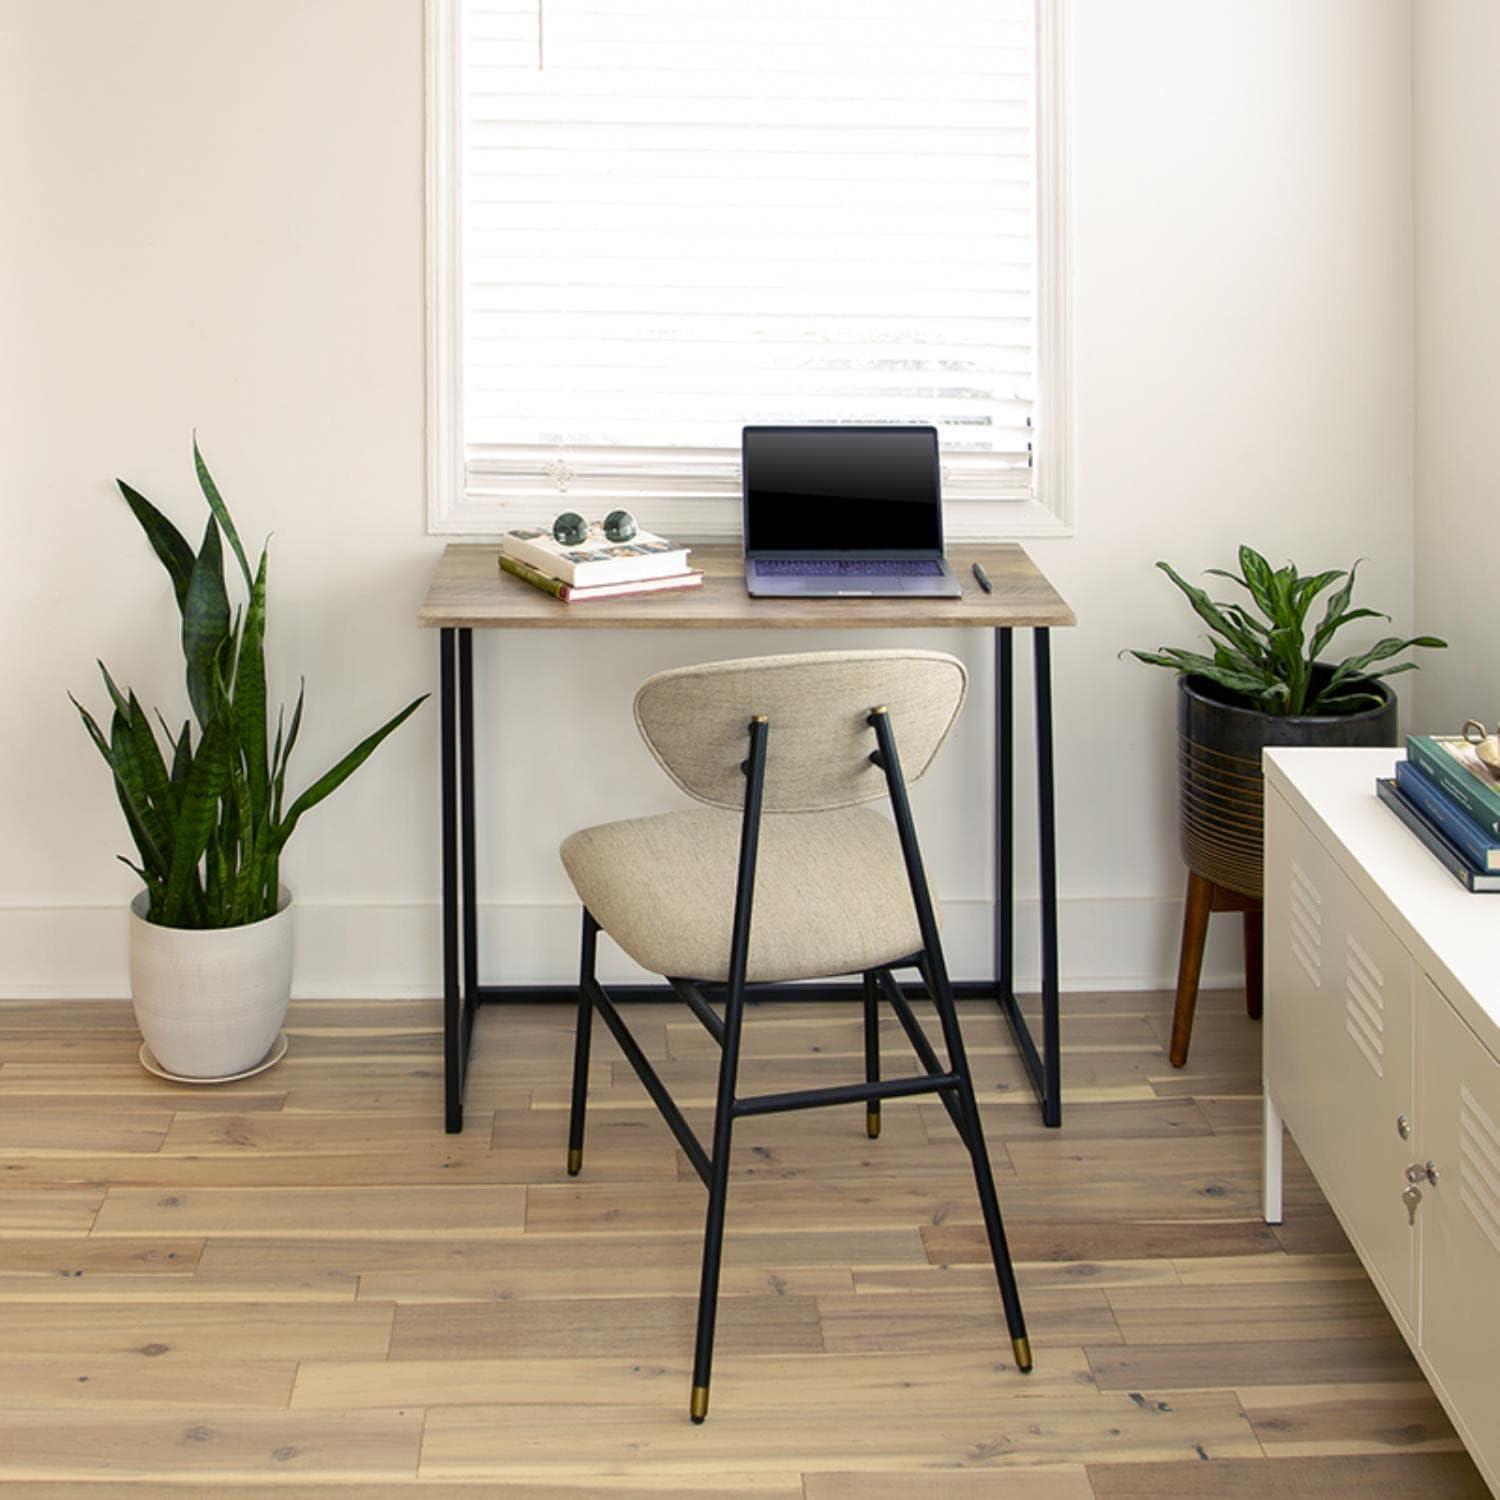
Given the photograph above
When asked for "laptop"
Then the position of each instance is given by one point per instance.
(834, 512)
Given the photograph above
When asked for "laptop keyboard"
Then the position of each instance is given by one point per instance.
(889, 567)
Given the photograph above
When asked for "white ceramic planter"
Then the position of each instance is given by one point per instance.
(210, 1002)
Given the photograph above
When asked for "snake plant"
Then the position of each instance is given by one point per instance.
(1268, 661)
(207, 810)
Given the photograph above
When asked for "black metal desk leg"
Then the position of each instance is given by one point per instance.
(1043, 1067)
(1047, 827)
(453, 1072)
(468, 863)
(1005, 798)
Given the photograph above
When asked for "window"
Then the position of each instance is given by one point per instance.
(655, 221)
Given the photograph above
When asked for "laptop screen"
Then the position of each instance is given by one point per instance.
(841, 489)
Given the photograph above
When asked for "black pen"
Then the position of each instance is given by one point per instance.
(984, 579)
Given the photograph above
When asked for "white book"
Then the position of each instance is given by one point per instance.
(596, 560)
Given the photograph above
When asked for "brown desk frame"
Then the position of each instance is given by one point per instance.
(468, 593)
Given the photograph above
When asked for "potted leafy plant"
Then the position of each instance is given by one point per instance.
(1263, 683)
(211, 932)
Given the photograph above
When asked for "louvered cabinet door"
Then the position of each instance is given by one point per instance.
(1459, 1132)
(1338, 1045)
(1369, 1084)
(1301, 976)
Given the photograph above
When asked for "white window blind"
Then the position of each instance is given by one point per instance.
(683, 216)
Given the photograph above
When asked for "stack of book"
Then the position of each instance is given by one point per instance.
(1445, 795)
(596, 568)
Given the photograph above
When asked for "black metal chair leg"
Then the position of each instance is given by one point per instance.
(935, 971)
(872, 1054)
(718, 1193)
(989, 1203)
(581, 1041)
(964, 1123)
(754, 768)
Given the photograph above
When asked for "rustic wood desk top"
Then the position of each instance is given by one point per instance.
(468, 591)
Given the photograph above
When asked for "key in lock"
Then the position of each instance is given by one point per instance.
(1412, 1198)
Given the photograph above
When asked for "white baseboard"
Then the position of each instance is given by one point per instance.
(395, 951)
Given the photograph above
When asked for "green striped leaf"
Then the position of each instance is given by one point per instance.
(1248, 685)
(241, 884)
(166, 541)
(1257, 575)
(182, 754)
(155, 890)
(149, 827)
(250, 698)
(295, 728)
(278, 774)
(1309, 588)
(116, 697)
(1357, 668)
(1210, 613)
(280, 730)
(334, 778)
(1246, 621)
(205, 622)
(159, 786)
(197, 816)
(220, 510)
(94, 732)
(215, 875)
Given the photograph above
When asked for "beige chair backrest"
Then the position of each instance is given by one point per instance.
(696, 722)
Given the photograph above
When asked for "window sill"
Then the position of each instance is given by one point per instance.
(718, 520)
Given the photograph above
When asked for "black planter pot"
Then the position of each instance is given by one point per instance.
(1219, 745)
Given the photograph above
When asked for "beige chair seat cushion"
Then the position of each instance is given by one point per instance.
(831, 895)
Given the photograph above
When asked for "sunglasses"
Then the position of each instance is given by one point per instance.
(572, 530)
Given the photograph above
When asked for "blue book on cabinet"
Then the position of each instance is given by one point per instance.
(1438, 808)
(1442, 849)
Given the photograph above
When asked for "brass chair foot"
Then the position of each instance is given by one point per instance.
(872, 1124)
(575, 1162)
(699, 1408)
(1022, 1347)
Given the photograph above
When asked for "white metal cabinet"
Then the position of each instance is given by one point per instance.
(1338, 1043)
(1459, 1110)
(1382, 1054)
(1297, 1003)
(1369, 1083)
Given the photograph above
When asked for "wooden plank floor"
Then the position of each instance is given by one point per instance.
(299, 1285)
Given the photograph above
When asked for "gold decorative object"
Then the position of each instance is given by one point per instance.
(1486, 745)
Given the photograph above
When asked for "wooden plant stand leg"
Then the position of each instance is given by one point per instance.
(1253, 981)
(1200, 902)
(1203, 898)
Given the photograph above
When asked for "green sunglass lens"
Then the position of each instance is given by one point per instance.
(570, 528)
(619, 526)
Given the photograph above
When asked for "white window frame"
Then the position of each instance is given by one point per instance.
(451, 512)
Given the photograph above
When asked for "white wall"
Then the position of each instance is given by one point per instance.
(214, 218)
(1457, 55)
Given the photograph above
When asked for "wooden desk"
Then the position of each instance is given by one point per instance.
(469, 592)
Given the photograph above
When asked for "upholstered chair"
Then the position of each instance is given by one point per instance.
(786, 872)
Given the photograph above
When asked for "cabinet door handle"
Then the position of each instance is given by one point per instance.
(1403, 1127)
(1422, 1171)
